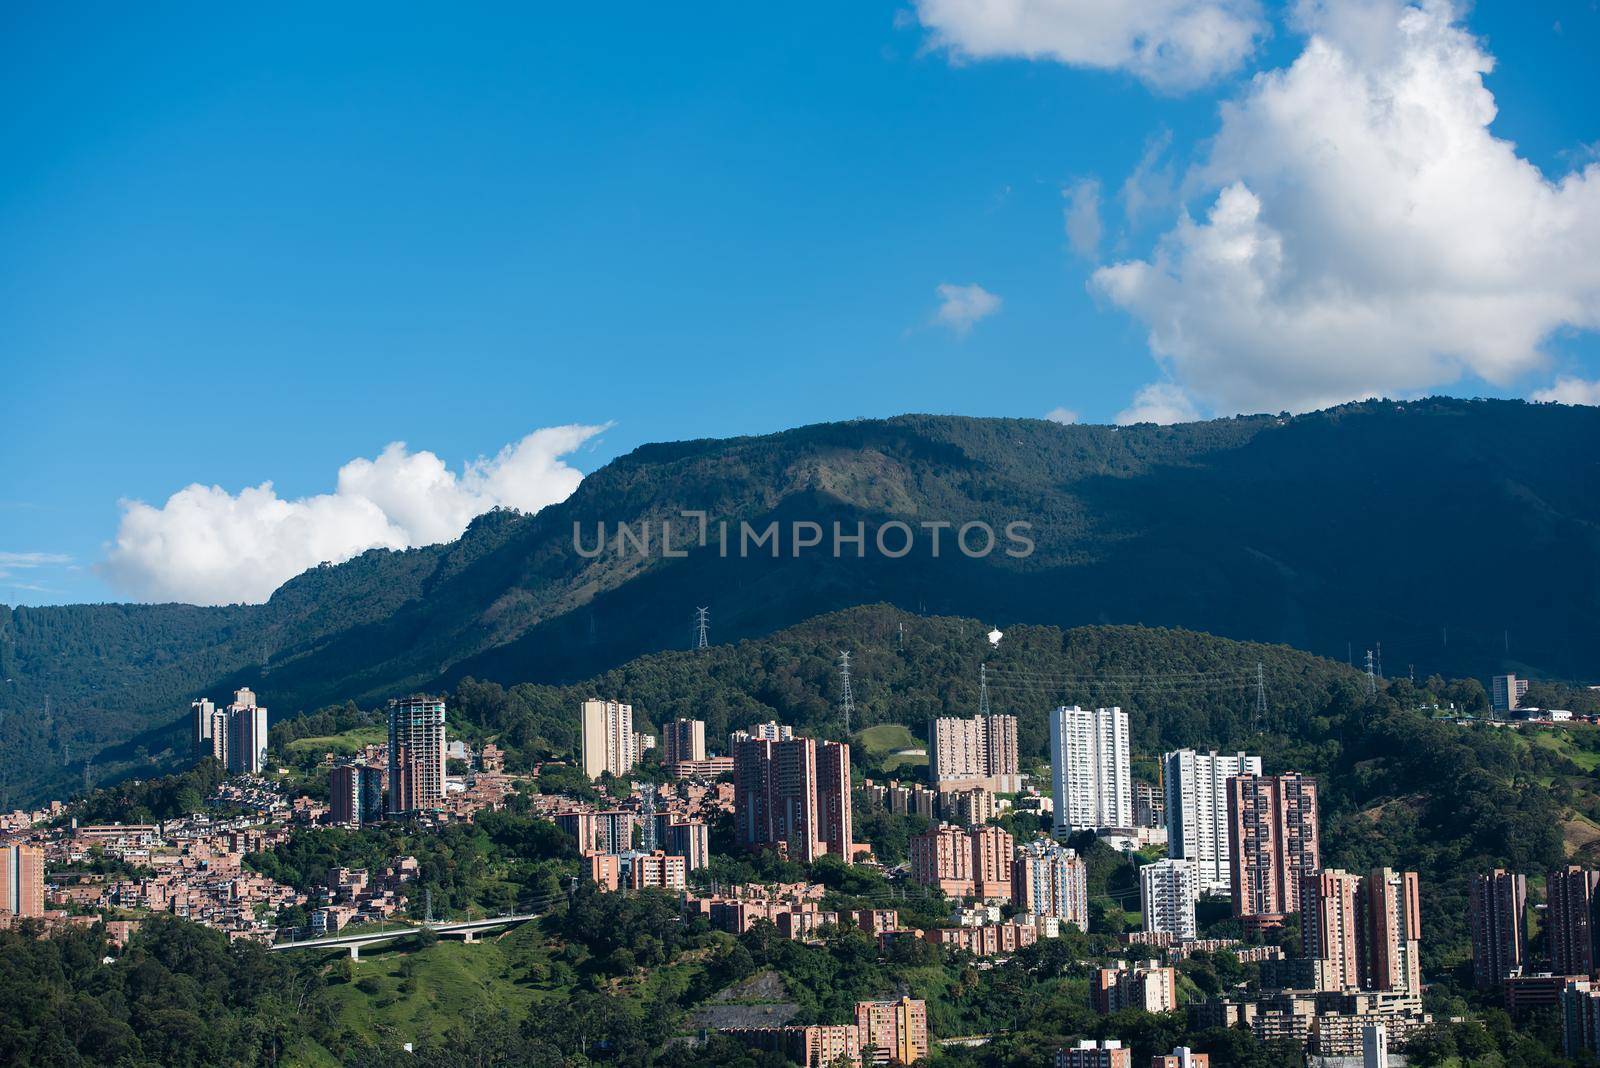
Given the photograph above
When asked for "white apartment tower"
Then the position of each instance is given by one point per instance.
(1090, 769)
(1168, 894)
(210, 731)
(416, 754)
(1197, 810)
(608, 740)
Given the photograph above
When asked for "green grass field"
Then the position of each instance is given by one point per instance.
(885, 738)
(1569, 742)
(404, 993)
(880, 746)
(348, 742)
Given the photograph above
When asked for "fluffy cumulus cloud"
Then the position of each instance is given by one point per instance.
(960, 307)
(1569, 390)
(1366, 232)
(1169, 44)
(1159, 402)
(208, 546)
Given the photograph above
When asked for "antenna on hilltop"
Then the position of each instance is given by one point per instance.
(702, 627)
(847, 700)
(1372, 677)
(983, 689)
(1261, 696)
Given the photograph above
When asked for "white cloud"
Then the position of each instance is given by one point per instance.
(1152, 186)
(1369, 234)
(1064, 416)
(1569, 390)
(962, 306)
(1169, 44)
(1159, 402)
(12, 562)
(1082, 216)
(207, 546)
(20, 560)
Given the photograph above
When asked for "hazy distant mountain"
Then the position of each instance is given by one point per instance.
(1464, 536)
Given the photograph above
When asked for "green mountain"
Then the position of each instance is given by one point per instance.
(1462, 535)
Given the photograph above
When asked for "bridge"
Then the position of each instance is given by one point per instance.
(468, 930)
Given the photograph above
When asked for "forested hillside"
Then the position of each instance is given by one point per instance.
(1400, 786)
(1464, 536)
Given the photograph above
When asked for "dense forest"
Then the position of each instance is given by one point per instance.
(1332, 532)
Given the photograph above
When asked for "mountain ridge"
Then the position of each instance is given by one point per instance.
(1365, 523)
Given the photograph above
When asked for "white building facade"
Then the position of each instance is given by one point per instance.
(1168, 893)
(1090, 769)
(1197, 810)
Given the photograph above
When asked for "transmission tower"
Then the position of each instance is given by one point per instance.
(847, 700)
(1261, 695)
(901, 640)
(647, 813)
(702, 627)
(1372, 676)
(983, 689)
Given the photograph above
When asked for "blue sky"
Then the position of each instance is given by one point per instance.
(249, 245)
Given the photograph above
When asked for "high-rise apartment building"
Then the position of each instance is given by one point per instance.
(1496, 909)
(992, 849)
(1184, 1057)
(1168, 893)
(967, 753)
(794, 794)
(22, 880)
(1197, 811)
(1391, 936)
(941, 857)
(684, 739)
(247, 734)
(1148, 987)
(1048, 879)
(1149, 806)
(770, 731)
(416, 754)
(893, 1032)
(1330, 928)
(1272, 823)
(344, 795)
(1572, 896)
(355, 795)
(689, 839)
(607, 738)
(1090, 769)
(963, 863)
(209, 730)
(1506, 692)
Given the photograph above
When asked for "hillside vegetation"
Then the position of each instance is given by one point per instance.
(1334, 531)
